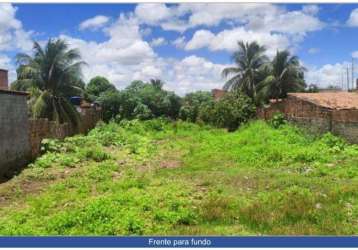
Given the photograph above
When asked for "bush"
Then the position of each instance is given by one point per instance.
(144, 101)
(194, 104)
(333, 142)
(96, 153)
(232, 110)
(277, 120)
(50, 145)
(111, 103)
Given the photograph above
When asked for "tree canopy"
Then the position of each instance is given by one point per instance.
(285, 74)
(260, 78)
(244, 76)
(97, 86)
(55, 70)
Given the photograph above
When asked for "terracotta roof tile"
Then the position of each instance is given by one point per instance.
(218, 93)
(333, 100)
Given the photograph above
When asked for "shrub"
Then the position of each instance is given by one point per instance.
(232, 110)
(333, 142)
(96, 153)
(50, 145)
(45, 160)
(193, 103)
(277, 120)
(142, 112)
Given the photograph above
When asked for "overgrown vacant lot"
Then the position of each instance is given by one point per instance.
(161, 178)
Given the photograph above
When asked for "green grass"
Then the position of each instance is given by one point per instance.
(162, 178)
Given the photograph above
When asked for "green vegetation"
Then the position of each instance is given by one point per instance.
(229, 112)
(139, 100)
(97, 86)
(249, 60)
(261, 79)
(158, 177)
(285, 74)
(53, 73)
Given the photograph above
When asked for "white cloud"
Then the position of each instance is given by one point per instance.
(5, 62)
(200, 39)
(175, 25)
(13, 38)
(310, 9)
(12, 34)
(123, 56)
(193, 73)
(328, 74)
(158, 42)
(313, 50)
(179, 42)
(292, 22)
(353, 18)
(355, 54)
(213, 14)
(94, 23)
(269, 25)
(152, 13)
(256, 16)
(227, 40)
(182, 76)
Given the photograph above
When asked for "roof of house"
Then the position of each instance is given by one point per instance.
(218, 93)
(332, 100)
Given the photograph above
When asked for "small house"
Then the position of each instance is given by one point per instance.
(335, 112)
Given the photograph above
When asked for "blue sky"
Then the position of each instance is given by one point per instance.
(187, 45)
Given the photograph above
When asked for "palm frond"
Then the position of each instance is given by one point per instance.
(54, 69)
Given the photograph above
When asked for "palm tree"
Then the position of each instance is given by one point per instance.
(245, 75)
(285, 75)
(55, 71)
(157, 83)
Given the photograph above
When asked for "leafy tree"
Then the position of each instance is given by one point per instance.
(157, 83)
(111, 103)
(142, 112)
(245, 75)
(192, 104)
(171, 104)
(232, 110)
(55, 71)
(142, 100)
(135, 86)
(97, 86)
(285, 75)
(207, 113)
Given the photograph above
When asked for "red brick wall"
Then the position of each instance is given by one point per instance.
(315, 118)
(90, 117)
(268, 112)
(218, 93)
(3, 79)
(40, 129)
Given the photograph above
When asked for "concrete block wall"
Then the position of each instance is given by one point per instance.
(21, 137)
(15, 149)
